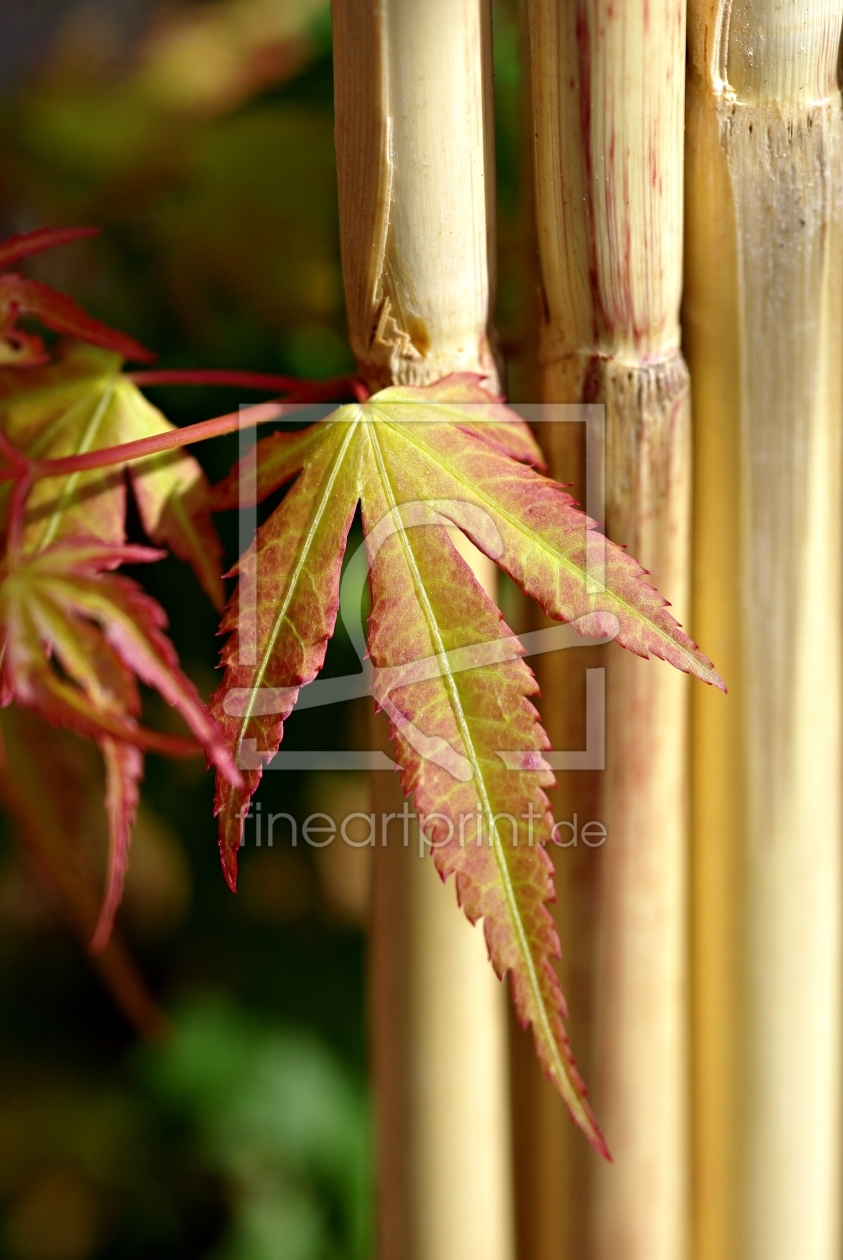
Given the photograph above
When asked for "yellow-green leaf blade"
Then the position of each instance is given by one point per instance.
(487, 823)
(281, 617)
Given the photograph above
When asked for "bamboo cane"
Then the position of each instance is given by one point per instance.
(608, 90)
(414, 145)
(765, 345)
(414, 159)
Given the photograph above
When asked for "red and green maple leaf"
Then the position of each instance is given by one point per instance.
(446, 668)
(81, 403)
(59, 605)
(22, 297)
(75, 639)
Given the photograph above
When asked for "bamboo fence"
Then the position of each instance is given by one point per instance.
(760, 953)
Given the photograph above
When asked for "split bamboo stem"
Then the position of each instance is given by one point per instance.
(608, 90)
(414, 159)
(765, 345)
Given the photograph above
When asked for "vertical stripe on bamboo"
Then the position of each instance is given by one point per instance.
(763, 322)
(608, 87)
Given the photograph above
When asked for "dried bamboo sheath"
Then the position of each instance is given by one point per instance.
(765, 345)
(414, 144)
(608, 85)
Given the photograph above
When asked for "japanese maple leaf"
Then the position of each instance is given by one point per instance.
(75, 639)
(445, 666)
(81, 403)
(22, 297)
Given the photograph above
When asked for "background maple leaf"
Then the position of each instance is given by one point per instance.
(23, 297)
(219, 249)
(74, 640)
(83, 402)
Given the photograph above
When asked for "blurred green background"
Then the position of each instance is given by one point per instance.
(199, 137)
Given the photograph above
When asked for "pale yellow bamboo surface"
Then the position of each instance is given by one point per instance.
(608, 87)
(765, 347)
(438, 1019)
(414, 146)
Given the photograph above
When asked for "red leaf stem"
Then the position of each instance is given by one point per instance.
(17, 512)
(215, 376)
(20, 297)
(16, 458)
(261, 413)
(27, 243)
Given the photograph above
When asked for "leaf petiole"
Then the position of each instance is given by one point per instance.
(107, 456)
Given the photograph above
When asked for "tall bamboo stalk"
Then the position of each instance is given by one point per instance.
(608, 90)
(415, 163)
(765, 344)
